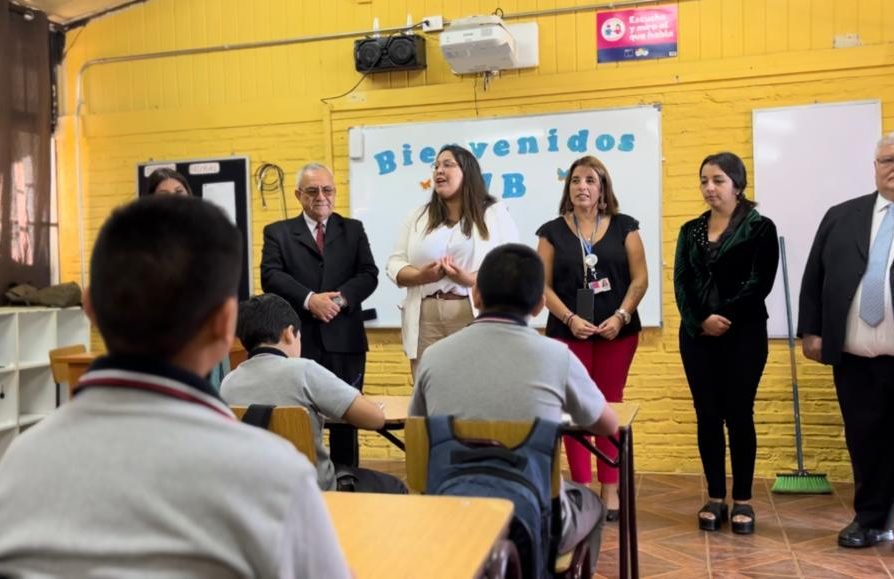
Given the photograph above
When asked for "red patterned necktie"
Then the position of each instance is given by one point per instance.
(320, 236)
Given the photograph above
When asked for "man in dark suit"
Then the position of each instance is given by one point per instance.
(321, 263)
(846, 320)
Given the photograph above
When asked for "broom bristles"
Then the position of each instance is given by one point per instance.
(802, 483)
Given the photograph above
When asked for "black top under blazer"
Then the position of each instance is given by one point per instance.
(732, 281)
(292, 266)
(834, 271)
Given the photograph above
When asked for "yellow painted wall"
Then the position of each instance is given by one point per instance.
(735, 56)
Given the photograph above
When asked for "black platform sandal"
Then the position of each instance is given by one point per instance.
(720, 510)
(740, 527)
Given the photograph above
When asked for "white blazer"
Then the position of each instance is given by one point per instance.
(501, 229)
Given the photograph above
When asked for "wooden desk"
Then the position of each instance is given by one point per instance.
(629, 548)
(627, 537)
(395, 409)
(78, 363)
(416, 535)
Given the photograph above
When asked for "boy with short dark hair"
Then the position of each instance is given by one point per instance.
(275, 374)
(146, 472)
(498, 368)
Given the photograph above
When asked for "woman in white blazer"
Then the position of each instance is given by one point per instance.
(440, 247)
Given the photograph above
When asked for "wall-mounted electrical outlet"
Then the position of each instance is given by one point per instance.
(433, 23)
(846, 40)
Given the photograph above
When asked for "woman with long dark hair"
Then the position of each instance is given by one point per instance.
(440, 248)
(724, 269)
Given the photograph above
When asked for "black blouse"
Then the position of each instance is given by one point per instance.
(568, 272)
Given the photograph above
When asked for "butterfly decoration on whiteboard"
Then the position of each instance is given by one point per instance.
(561, 174)
(426, 185)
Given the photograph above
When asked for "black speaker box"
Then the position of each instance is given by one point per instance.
(397, 52)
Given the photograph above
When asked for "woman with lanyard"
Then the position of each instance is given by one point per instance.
(595, 278)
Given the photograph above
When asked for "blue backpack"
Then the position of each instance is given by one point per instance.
(522, 475)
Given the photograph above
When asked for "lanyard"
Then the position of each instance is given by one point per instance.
(586, 247)
(586, 244)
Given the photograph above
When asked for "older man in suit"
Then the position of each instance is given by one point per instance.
(846, 320)
(321, 263)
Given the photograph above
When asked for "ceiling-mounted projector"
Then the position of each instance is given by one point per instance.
(486, 44)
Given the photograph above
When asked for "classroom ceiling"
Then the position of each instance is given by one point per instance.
(65, 11)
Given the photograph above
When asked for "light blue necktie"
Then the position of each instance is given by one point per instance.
(872, 301)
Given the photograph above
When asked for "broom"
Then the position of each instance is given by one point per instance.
(799, 481)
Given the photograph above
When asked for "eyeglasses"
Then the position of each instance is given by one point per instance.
(444, 165)
(885, 161)
(315, 191)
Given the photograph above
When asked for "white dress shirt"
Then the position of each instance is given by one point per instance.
(860, 338)
(443, 241)
(312, 225)
(501, 229)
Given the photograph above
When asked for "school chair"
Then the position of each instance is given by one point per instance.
(293, 424)
(571, 565)
(60, 369)
(237, 355)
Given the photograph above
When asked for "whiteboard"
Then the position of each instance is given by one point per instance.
(807, 159)
(524, 160)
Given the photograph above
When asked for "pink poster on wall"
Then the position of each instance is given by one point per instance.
(636, 34)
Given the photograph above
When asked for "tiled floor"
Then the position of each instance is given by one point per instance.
(795, 537)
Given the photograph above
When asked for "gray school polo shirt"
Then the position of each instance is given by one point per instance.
(499, 370)
(283, 381)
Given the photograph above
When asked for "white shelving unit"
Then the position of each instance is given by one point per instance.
(27, 389)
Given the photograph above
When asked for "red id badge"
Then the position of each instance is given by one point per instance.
(600, 285)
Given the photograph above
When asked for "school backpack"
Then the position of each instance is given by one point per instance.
(522, 475)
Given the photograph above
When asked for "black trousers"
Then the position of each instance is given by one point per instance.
(865, 388)
(343, 446)
(723, 374)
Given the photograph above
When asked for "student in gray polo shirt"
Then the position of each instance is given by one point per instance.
(274, 373)
(498, 368)
(146, 472)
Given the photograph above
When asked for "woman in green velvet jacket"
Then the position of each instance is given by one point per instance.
(725, 267)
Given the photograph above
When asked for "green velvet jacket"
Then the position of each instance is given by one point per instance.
(735, 281)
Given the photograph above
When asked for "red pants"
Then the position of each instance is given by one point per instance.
(608, 362)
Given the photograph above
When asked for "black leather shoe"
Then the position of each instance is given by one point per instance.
(856, 536)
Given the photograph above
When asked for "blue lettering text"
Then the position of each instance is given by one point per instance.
(605, 142)
(528, 145)
(385, 160)
(553, 141)
(578, 141)
(501, 148)
(513, 185)
(478, 149)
